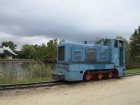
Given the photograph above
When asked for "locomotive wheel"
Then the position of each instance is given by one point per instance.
(110, 75)
(88, 77)
(100, 76)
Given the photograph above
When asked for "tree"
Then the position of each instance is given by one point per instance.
(135, 47)
(28, 51)
(9, 44)
(44, 52)
(52, 50)
(41, 52)
(62, 41)
(47, 52)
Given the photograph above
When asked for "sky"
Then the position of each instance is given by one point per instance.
(38, 21)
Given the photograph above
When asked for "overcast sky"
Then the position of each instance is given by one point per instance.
(38, 21)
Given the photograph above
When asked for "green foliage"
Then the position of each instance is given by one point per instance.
(135, 47)
(62, 41)
(9, 44)
(26, 72)
(8, 74)
(28, 51)
(41, 52)
(44, 52)
(26, 80)
(52, 50)
(37, 70)
(133, 71)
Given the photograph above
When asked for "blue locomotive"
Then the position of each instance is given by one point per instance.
(86, 61)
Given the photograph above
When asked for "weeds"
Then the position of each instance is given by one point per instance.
(24, 72)
(36, 70)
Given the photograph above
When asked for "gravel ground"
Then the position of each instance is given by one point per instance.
(123, 91)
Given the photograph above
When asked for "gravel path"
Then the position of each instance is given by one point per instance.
(124, 91)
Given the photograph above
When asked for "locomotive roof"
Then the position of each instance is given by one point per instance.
(82, 44)
(78, 44)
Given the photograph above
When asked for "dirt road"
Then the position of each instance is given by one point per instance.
(124, 91)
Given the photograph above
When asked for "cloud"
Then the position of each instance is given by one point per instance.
(72, 20)
(22, 40)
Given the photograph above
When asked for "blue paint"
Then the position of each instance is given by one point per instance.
(75, 59)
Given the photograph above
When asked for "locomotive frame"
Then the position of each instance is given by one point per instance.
(78, 62)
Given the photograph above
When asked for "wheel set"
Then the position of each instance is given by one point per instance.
(93, 75)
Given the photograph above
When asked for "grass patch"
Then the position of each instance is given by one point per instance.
(12, 73)
(26, 81)
(132, 71)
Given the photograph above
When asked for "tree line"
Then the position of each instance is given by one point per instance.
(48, 52)
(44, 52)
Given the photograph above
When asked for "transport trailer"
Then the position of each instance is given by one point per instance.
(78, 62)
